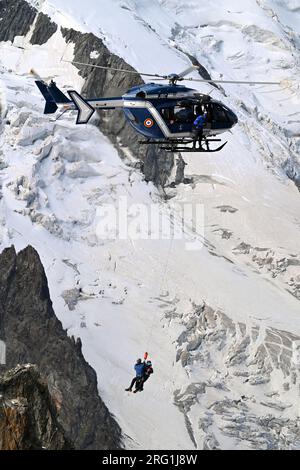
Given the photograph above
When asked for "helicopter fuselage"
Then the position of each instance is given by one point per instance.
(168, 111)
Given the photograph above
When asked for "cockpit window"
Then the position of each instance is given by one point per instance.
(179, 114)
(220, 113)
(184, 113)
(168, 114)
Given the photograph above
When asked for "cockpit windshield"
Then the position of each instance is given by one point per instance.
(182, 115)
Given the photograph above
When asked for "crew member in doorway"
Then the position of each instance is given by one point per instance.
(198, 125)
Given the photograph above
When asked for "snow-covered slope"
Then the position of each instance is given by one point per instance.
(221, 323)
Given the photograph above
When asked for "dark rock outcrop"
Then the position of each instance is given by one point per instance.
(33, 334)
(292, 170)
(28, 416)
(44, 29)
(16, 18)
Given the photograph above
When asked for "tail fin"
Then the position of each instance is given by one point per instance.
(85, 110)
(50, 106)
(57, 94)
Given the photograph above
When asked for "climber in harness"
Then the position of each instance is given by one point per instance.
(147, 373)
(198, 125)
(142, 371)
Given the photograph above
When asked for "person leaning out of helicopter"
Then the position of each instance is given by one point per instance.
(198, 125)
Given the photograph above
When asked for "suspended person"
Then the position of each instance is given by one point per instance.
(198, 125)
(147, 373)
(139, 368)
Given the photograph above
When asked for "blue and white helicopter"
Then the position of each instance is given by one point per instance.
(163, 113)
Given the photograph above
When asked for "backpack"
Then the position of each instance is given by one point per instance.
(149, 370)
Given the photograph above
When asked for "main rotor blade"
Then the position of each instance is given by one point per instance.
(116, 69)
(237, 82)
(180, 75)
(37, 76)
(190, 69)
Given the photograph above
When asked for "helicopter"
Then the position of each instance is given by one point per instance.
(163, 114)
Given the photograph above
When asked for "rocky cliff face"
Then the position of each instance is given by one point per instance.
(33, 334)
(28, 415)
(15, 19)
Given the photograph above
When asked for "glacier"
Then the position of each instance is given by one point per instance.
(221, 323)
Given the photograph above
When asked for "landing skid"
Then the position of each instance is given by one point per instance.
(193, 150)
(181, 145)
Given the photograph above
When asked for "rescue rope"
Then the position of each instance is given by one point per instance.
(160, 290)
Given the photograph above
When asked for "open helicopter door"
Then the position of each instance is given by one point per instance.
(85, 110)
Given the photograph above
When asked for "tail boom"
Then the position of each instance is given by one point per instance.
(55, 99)
(86, 108)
